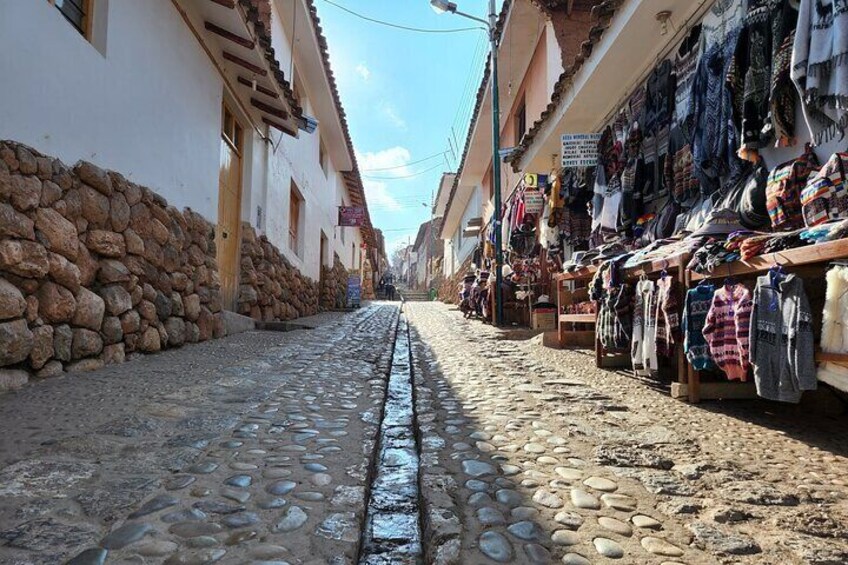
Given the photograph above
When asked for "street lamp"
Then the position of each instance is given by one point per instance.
(442, 6)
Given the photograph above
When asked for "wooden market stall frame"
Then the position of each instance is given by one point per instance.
(795, 257)
(571, 330)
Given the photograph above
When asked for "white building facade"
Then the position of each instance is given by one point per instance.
(203, 102)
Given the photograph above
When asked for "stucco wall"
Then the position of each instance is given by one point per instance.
(298, 159)
(160, 129)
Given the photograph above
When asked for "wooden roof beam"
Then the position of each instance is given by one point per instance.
(227, 34)
(279, 126)
(282, 114)
(246, 64)
(259, 88)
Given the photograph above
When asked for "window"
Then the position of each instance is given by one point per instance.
(295, 219)
(520, 121)
(322, 155)
(232, 131)
(78, 14)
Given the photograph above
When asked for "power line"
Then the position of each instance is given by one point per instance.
(438, 166)
(398, 26)
(406, 165)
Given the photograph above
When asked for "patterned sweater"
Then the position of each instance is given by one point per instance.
(782, 345)
(698, 302)
(668, 317)
(727, 328)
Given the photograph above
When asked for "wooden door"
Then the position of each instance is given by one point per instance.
(322, 259)
(227, 234)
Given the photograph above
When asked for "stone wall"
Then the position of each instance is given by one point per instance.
(271, 288)
(334, 291)
(95, 268)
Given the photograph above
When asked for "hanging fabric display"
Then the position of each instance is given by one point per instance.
(782, 350)
(698, 302)
(727, 328)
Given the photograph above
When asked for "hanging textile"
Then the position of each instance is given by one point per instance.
(668, 319)
(727, 330)
(782, 345)
(714, 139)
(649, 337)
(820, 65)
(698, 302)
(762, 88)
(834, 335)
(826, 195)
(783, 190)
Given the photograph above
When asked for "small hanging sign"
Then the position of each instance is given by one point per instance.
(580, 149)
(533, 202)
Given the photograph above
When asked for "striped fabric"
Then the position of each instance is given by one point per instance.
(783, 190)
(826, 194)
(727, 330)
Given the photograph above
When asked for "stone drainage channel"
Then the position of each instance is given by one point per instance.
(392, 532)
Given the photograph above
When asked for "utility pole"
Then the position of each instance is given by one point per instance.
(496, 165)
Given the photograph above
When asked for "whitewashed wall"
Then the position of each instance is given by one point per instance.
(148, 105)
(298, 159)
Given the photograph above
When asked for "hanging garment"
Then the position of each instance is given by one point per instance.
(685, 63)
(714, 139)
(783, 190)
(763, 90)
(826, 195)
(782, 348)
(727, 330)
(723, 18)
(668, 318)
(820, 64)
(649, 337)
(636, 346)
(623, 316)
(834, 335)
(698, 302)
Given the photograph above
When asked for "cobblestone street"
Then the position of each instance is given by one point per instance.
(314, 447)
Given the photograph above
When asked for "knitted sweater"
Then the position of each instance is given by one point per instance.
(727, 328)
(698, 302)
(782, 349)
(668, 318)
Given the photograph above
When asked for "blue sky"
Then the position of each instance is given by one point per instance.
(403, 92)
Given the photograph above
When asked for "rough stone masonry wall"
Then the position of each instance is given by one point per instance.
(94, 268)
(334, 291)
(271, 288)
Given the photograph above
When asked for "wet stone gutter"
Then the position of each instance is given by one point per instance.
(392, 533)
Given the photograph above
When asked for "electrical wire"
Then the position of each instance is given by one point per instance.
(433, 156)
(438, 166)
(403, 27)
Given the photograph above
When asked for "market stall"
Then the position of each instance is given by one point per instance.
(715, 200)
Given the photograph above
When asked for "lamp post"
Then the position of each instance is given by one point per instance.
(442, 6)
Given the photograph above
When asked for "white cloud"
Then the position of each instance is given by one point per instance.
(392, 115)
(389, 162)
(378, 196)
(363, 71)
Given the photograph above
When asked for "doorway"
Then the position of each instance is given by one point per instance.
(323, 262)
(227, 234)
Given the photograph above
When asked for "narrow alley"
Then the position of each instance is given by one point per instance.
(312, 447)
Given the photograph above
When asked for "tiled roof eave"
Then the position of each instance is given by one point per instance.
(602, 14)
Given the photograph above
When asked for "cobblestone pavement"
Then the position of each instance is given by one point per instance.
(531, 455)
(388, 438)
(252, 449)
